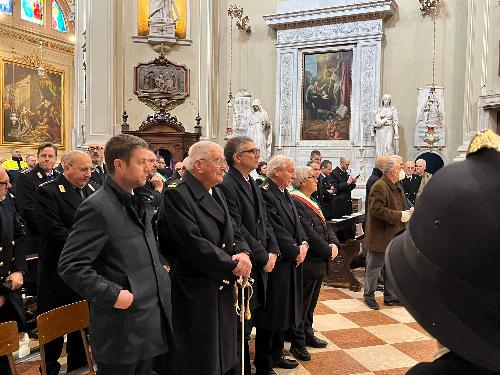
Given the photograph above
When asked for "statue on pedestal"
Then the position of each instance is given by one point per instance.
(260, 129)
(242, 113)
(161, 20)
(386, 128)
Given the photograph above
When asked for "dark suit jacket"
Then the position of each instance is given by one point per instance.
(376, 174)
(449, 364)
(326, 198)
(109, 249)
(199, 236)
(248, 210)
(99, 177)
(284, 292)
(410, 186)
(55, 206)
(319, 236)
(342, 204)
(27, 183)
(13, 247)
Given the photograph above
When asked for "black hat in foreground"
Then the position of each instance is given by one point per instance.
(446, 265)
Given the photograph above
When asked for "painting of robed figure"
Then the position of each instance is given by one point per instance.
(32, 104)
(326, 95)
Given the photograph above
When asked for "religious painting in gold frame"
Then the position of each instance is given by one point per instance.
(32, 104)
(326, 95)
(143, 18)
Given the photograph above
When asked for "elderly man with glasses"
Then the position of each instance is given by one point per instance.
(96, 152)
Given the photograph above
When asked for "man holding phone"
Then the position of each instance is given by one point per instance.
(342, 203)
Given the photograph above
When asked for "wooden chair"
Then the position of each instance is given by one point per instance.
(63, 320)
(9, 343)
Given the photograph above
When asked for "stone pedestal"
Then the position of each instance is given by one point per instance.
(162, 32)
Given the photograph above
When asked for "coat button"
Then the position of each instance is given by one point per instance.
(13, 243)
(234, 243)
(221, 287)
(1, 248)
(223, 245)
(1, 264)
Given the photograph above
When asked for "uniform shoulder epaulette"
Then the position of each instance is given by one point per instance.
(265, 186)
(484, 139)
(46, 183)
(25, 170)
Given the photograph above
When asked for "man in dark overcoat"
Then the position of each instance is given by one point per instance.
(96, 151)
(344, 184)
(111, 260)
(411, 182)
(283, 308)
(12, 261)
(386, 217)
(326, 190)
(248, 209)
(27, 182)
(56, 202)
(207, 254)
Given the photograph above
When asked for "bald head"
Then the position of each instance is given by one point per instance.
(77, 168)
(381, 161)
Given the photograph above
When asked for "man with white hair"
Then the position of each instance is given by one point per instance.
(411, 182)
(385, 218)
(208, 255)
(420, 166)
(283, 308)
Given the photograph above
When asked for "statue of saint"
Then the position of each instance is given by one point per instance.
(260, 129)
(386, 128)
(163, 11)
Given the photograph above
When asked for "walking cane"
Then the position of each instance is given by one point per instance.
(242, 312)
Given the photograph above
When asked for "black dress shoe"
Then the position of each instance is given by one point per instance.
(285, 363)
(300, 352)
(393, 303)
(372, 304)
(314, 342)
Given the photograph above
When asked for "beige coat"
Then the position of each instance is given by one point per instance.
(383, 219)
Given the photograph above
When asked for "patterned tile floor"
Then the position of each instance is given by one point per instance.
(360, 341)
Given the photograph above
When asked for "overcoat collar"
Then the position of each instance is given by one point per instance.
(289, 209)
(204, 198)
(242, 183)
(67, 191)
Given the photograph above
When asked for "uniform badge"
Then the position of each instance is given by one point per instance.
(91, 187)
(172, 185)
(39, 175)
(62, 189)
(265, 186)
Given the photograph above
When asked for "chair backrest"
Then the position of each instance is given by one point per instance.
(63, 320)
(9, 342)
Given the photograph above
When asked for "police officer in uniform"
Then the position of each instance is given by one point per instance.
(12, 261)
(56, 202)
(27, 182)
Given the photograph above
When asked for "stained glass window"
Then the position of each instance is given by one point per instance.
(58, 22)
(32, 10)
(6, 6)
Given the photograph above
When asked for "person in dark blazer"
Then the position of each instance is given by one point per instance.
(283, 308)
(96, 151)
(326, 190)
(12, 262)
(27, 182)
(110, 259)
(323, 247)
(411, 182)
(344, 184)
(208, 254)
(248, 209)
(56, 202)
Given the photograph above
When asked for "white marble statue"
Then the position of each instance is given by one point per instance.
(242, 113)
(260, 129)
(386, 128)
(162, 10)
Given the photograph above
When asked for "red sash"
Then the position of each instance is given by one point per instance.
(311, 205)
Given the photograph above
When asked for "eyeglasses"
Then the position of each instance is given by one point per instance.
(5, 182)
(255, 151)
(97, 148)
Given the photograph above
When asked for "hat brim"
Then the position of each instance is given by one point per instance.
(438, 310)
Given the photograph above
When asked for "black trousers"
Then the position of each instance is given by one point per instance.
(299, 335)
(269, 345)
(138, 368)
(74, 349)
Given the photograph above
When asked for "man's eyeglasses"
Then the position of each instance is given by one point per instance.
(5, 182)
(255, 151)
(97, 148)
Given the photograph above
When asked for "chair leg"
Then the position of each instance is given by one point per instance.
(43, 365)
(12, 364)
(87, 351)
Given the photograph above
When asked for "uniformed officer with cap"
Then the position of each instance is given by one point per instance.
(445, 265)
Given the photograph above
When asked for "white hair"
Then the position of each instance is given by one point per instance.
(392, 163)
(200, 151)
(277, 162)
(301, 173)
(421, 161)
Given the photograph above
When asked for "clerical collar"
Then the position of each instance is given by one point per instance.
(210, 191)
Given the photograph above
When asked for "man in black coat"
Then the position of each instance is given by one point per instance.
(12, 262)
(248, 210)
(27, 182)
(326, 190)
(99, 172)
(111, 260)
(208, 254)
(283, 308)
(56, 202)
(411, 182)
(377, 173)
(344, 184)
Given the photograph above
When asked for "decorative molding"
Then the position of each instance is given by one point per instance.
(286, 95)
(369, 94)
(34, 60)
(162, 118)
(26, 35)
(331, 32)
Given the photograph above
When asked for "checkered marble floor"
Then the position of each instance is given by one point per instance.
(362, 341)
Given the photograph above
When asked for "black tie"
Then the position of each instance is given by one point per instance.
(287, 198)
(81, 193)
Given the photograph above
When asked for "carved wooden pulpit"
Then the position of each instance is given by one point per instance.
(164, 134)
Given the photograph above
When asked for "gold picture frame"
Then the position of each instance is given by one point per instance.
(32, 102)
